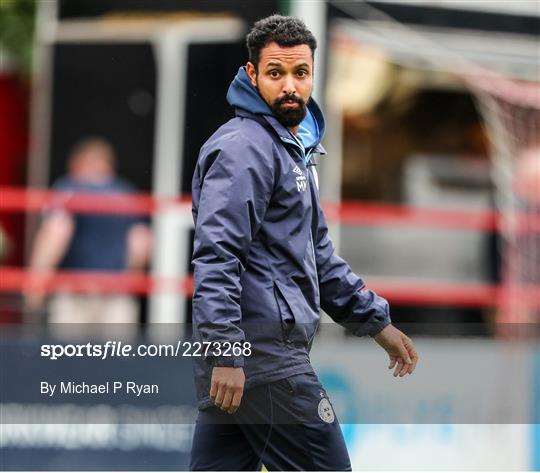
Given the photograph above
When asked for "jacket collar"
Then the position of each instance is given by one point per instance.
(271, 123)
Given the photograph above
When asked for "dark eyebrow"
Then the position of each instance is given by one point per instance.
(277, 64)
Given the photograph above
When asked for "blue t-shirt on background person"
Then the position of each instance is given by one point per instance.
(99, 241)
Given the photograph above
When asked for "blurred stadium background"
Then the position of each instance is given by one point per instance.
(431, 186)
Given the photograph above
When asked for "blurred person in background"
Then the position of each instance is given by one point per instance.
(264, 265)
(88, 242)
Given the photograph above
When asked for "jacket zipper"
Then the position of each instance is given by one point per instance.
(305, 158)
(298, 147)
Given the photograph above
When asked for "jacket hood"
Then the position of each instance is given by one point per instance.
(242, 94)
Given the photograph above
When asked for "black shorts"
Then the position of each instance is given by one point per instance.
(288, 424)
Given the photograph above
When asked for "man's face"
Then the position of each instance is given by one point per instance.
(285, 81)
(92, 165)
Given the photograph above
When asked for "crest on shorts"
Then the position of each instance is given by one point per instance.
(326, 413)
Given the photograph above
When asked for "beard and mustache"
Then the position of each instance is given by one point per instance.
(289, 117)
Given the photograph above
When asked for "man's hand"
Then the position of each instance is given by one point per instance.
(400, 348)
(227, 388)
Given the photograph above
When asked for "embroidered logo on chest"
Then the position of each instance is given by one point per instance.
(301, 183)
(301, 180)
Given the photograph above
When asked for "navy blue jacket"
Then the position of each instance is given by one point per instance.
(264, 264)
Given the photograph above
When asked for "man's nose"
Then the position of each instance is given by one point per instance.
(289, 87)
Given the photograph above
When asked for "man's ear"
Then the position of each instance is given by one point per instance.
(252, 73)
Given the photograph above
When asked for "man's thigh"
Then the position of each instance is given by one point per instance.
(220, 445)
(293, 424)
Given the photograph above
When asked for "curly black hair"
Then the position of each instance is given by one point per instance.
(286, 31)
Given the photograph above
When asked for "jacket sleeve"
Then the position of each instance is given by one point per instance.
(361, 311)
(234, 188)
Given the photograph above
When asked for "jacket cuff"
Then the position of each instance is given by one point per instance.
(376, 329)
(379, 316)
(227, 361)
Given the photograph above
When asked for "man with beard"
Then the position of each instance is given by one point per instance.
(264, 266)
